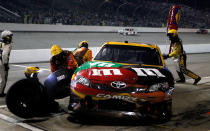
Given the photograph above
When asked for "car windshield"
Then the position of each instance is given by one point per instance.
(129, 54)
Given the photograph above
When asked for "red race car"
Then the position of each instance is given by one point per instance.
(124, 77)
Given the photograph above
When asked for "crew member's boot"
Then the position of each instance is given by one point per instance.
(181, 76)
(197, 80)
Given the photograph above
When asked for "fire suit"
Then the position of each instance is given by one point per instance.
(180, 59)
(5, 49)
(64, 60)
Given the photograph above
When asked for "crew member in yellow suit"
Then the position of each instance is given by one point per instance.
(82, 54)
(180, 58)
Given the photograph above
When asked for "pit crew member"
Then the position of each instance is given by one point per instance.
(180, 58)
(62, 59)
(5, 49)
(31, 72)
(83, 53)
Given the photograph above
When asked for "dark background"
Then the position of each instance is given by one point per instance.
(137, 13)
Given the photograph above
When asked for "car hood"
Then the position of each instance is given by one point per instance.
(108, 71)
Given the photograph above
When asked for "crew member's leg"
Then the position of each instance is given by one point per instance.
(2, 80)
(187, 72)
(178, 70)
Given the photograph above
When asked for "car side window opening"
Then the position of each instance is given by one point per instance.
(129, 54)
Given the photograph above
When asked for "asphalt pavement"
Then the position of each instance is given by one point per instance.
(30, 40)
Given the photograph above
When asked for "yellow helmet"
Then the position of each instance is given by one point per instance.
(31, 70)
(172, 33)
(83, 44)
(55, 50)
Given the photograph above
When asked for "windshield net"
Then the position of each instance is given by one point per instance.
(129, 54)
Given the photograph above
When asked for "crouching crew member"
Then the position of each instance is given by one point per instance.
(31, 72)
(83, 53)
(62, 59)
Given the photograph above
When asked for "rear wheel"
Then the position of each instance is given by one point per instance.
(23, 98)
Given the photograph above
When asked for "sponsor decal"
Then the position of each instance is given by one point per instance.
(148, 72)
(92, 64)
(178, 16)
(102, 64)
(118, 84)
(118, 97)
(99, 72)
(139, 72)
(59, 78)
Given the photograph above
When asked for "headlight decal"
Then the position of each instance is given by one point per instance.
(159, 87)
(82, 80)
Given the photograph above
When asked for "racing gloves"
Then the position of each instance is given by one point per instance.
(165, 56)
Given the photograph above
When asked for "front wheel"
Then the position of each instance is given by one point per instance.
(164, 112)
(159, 112)
(24, 98)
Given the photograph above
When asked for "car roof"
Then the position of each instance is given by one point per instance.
(131, 44)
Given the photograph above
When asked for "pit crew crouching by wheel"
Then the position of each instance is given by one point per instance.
(50, 105)
(83, 53)
(62, 59)
(180, 58)
(31, 72)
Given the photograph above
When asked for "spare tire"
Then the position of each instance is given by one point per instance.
(24, 98)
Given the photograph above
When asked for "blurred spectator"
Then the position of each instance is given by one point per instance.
(141, 13)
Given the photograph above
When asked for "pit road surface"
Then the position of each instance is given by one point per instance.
(30, 40)
(191, 106)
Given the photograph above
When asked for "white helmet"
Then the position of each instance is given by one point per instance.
(6, 33)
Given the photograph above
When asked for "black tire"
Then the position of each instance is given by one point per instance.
(158, 112)
(164, 112)
(24, 98)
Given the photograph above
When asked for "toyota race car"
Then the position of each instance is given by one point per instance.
(124, 77)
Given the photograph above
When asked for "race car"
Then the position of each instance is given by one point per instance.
(202, 31)
(124, 77)
(128, 31)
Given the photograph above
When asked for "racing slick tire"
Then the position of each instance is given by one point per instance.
(158, 112)
(163, 112)
(24, 98)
